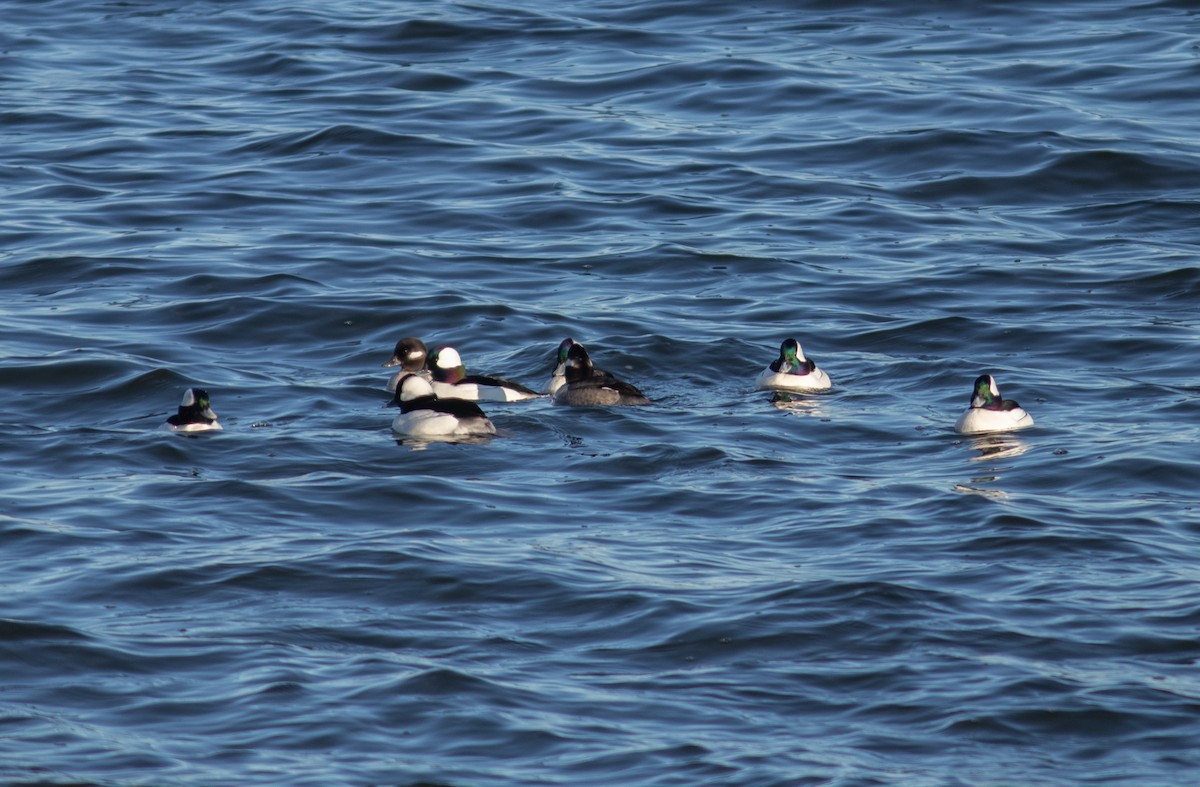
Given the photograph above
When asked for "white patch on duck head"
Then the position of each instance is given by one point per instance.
(447, 358)
(410, 351)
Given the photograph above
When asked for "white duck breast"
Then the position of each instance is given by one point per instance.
(989, 412)
(792, 371)
(195, 414)
(423, 414)
(429, 423)
(195, 427)
(451, 381)
(976, 421)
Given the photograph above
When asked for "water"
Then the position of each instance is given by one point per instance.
(260, 198)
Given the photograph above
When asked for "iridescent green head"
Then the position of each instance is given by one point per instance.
(195, 406)
(563, 348)
(791, 351)
(985, 393)
(791, 358)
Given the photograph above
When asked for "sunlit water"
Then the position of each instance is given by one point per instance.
(261, 198)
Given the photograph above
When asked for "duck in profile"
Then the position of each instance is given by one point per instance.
(558, 377)
(410, 355)
(423, 414)
(991, 413)
(792, 371)
(195, 413)
(582, 387)
(451, 381)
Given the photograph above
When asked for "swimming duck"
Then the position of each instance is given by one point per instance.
(423, 414)
(792, 371)
(583, 387)
(451, 381)
(195, 413)
(559, 376)
(409, 355)
(989, 412)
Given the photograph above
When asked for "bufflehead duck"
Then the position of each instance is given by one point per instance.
(451, 381)
(423, 414)
(791, 371)
(559, 376)
(991, 413)
(409, 355)
(195, 413)
(583, 387)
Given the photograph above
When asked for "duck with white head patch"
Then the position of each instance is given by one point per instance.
(195, 413)
(410, 355)
(424, 414)
(451, 381)
(989, 412)
(582, 387)
(792, 371)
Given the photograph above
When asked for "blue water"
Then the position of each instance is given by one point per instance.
(260, 198)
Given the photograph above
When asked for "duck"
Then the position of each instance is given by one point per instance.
(195, 413)
(989, 412)
(424, 414)
(451, 381)
(582, 387)
(793, 371)
(410, 355)
(559, 376)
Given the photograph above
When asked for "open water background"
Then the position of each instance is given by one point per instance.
(260, 197)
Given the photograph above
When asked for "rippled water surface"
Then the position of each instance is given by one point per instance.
(260, 198)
